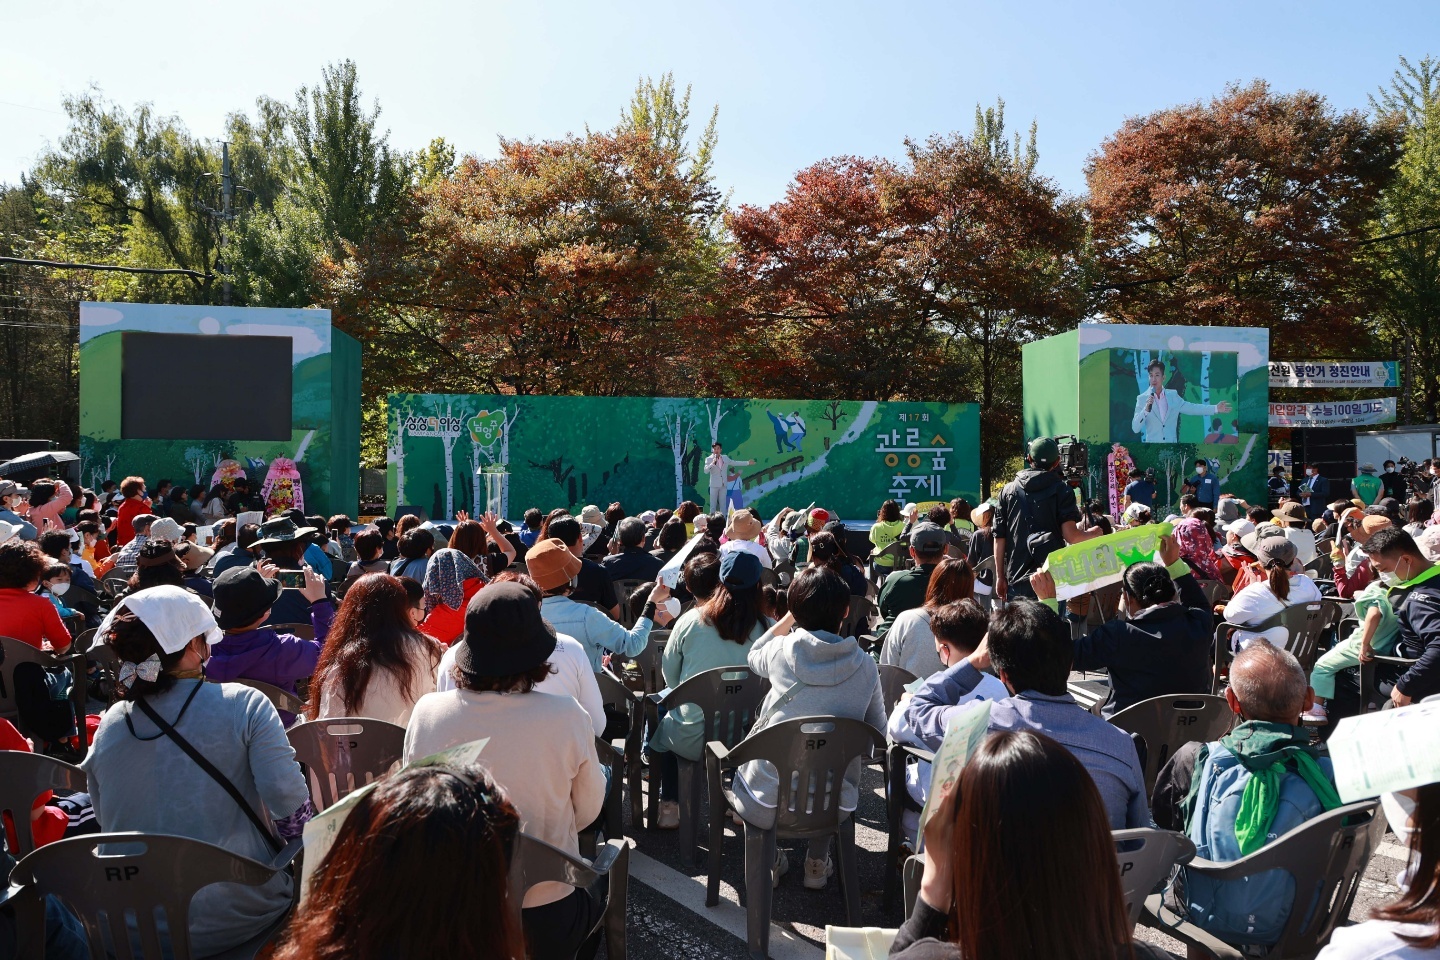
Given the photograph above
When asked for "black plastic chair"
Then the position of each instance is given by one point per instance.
(535, 861)
(14, 654)
(892, 684)
(623, 589)
(1146, 858)
(1165, 724)
(1303, 623)
(343, 754)
(282, 699)
(102, 887)
(23, 778)
(897, 801)
(1325, 856)
(611, 821)
(621, 699)
(811, 756)
(729, 698)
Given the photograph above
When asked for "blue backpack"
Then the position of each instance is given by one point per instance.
(1251, 910)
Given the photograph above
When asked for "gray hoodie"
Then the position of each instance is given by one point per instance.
(839, 680)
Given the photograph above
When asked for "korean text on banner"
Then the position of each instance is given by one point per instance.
(1344, 413)
(1350, 373)
(1386, 751)
(1092, 564)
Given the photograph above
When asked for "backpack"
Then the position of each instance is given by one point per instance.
(1252, 910)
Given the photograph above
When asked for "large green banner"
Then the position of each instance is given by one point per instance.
(452, 452)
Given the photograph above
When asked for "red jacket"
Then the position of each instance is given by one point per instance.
(31, 619)
(446, 623)
(130, 508)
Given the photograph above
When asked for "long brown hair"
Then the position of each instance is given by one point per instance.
(368, 898)
(734, 612)
(372, 630)
(1420, 903)
(953, 579)
(1035, 873)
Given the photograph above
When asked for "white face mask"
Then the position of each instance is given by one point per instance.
(58, 589)
(1200, 471)
(672, 607)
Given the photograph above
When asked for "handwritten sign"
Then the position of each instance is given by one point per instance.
(1082, 567)
(1386, 751)
(319, 834)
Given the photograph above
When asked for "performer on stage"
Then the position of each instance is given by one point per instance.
(717, 465)
(1157, 410)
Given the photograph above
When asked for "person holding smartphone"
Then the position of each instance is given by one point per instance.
(252, 650)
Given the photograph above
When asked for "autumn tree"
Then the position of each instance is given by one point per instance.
(989, 249)
(1244, 211)
(1408, 261)
(576, 265)
(818, 277)
(874, 280)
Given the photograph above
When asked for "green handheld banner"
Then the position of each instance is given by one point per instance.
(1083, 567)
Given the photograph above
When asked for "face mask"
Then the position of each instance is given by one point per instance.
(1200, 471)
(58, 589)
(1390, 578)
(672, 607)
(1389, 468)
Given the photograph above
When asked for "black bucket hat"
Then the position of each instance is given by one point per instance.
(281, 531)
(242, 595)
(504, 633)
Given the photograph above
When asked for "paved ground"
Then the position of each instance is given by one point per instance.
(668, 918)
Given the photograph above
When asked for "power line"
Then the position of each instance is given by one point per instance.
(67, 265)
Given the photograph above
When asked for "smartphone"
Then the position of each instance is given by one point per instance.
(292, 579)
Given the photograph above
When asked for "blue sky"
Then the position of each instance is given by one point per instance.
(795, 82)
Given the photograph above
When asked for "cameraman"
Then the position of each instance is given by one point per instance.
(1036, 515)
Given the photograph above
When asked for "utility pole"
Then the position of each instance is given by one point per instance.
(223, 216)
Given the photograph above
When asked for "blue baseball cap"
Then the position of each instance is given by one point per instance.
(739, 569)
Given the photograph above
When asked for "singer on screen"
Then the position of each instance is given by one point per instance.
(1157, 410)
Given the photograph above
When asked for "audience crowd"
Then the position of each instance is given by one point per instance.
(203, 635)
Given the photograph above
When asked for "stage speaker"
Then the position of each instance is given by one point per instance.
(1329, 449)
(406, 510)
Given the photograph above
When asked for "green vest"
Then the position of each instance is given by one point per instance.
(1368, 488)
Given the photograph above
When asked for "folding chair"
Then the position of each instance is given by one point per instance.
(1165, 724)
(1325, 857)
(857, 619)
(728, 698)
(810, 755)
(535, 861)
(103, 886)
(343, 754)
(1303, 623)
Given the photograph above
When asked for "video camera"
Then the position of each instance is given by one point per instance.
(1074, 458)
(1416, 479)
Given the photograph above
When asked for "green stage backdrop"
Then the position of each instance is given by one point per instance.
(322, 453)
(1094, 382)
(647, 452)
